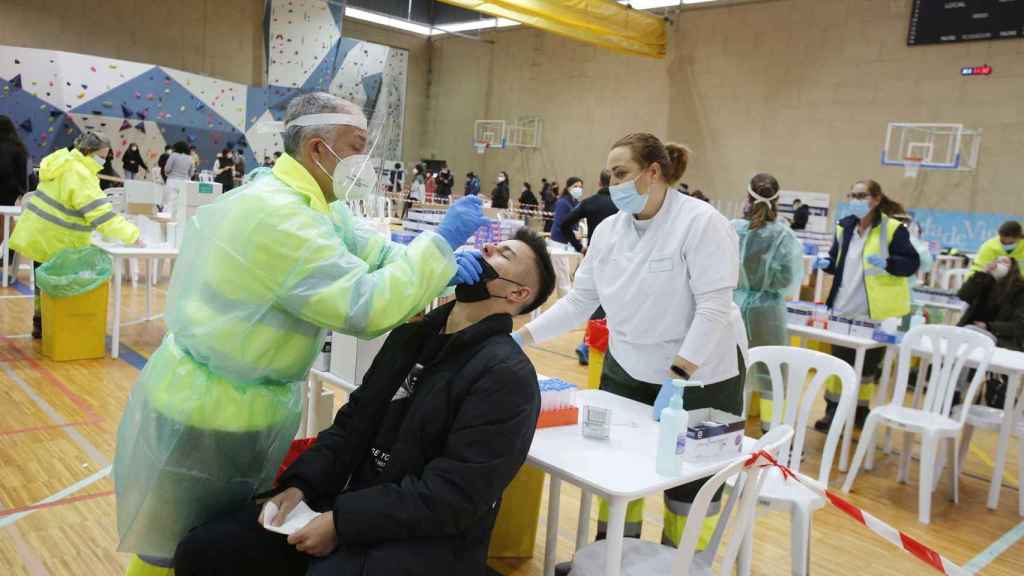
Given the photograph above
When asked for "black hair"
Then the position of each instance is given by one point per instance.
(180, 147)
(545, 269)
(1011, 229)
(398, 166)
(797, 201)
(606, 178)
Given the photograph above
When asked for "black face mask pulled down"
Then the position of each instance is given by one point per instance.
(477, 292)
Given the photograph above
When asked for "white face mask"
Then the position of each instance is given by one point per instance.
(352, 178)
(101, 160)
(1000, 271)
(576, 192)
(501, 179)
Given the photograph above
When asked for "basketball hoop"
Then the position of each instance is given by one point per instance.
(911, 165)
(481, 147)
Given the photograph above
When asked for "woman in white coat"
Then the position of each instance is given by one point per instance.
(664, 269)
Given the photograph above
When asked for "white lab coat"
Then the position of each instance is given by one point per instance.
(666, 293)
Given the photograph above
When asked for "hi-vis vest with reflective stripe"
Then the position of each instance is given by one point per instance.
(888, 295)
(67, 206)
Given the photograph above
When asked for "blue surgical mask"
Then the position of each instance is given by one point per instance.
(1010, 247)
(626, 198)
(858, 208)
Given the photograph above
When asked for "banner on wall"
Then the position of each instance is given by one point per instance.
(964, 231)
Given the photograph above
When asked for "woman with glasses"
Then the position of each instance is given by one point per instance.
(872, 260)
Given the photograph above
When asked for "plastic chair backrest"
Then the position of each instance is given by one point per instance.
(948, 349)
(954, 279)
(739, 509)
(795, 396)
(117, 199)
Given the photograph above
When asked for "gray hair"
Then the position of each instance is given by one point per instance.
(90, 142)
(312, 103)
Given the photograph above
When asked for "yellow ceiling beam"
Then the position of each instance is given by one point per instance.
(603, 23)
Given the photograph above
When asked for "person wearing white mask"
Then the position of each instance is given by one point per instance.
(664, 269)
(995, 302)
(262, 274)
(570, 197)
(872, 260)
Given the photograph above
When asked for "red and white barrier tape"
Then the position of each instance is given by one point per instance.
(896, 537)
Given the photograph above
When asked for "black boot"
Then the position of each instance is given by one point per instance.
(825, 423)
(37, 328)
(861, 417)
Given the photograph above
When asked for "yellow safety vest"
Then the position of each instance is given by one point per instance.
(888, 295)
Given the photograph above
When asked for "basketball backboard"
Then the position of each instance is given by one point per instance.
(931, 146)
(489, 134)
(526, 132)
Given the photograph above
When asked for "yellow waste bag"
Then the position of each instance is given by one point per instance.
(515, 530)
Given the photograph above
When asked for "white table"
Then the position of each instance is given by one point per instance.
(8, 213)
(117, 253)
(620, 469)
(860, 346)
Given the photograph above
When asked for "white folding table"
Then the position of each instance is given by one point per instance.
(117, 253)
(619, 469)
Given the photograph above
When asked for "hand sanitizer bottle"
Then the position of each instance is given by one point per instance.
(672, 434)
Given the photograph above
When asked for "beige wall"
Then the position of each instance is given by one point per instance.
(800, 88)
(219, 38)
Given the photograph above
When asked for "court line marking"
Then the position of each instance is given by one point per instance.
(89, 480)
(1007, 474)
(86, 446)
(48, 427)
(33, 565)
(75, 399)
(1002, 544)
(60, 502)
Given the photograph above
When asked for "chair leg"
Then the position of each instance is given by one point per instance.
(940, 463)
(800, 540)
(869, 459)
(954, 470)
(746, 555)
(965, 444)
(1020, 471)
(929, 450)
(866, 442)
(905, 452)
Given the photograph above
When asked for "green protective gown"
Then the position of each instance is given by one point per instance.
(772, 270)
(263, 273)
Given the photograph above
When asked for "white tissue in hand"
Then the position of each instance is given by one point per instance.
(295, 521)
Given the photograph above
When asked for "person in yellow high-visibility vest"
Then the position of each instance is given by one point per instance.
(262, 273)
(67, 206)
(872, 259)
(1006, 243)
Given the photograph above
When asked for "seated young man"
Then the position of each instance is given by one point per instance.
(410, 475)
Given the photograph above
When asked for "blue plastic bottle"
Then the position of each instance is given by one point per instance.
(672, 433)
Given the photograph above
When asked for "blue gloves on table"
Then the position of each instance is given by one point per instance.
(467, 268)
(822, 263)
(877, 261)
(463, 218)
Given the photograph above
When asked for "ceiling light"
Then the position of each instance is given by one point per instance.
(474, 25)
(375, 18)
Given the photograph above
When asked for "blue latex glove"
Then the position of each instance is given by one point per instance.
(822, 263)
(518, 339)
(467, 268)
(664, 396)
(463, 218)
(877, 261)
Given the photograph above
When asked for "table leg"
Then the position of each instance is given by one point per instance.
(149, 289)
(316, 390)
(616, 527)
(1009, 409)
(882, 396)
(858, 370)
(583, 528)
(115, 337)
(819, 286)
(7, 236)
(551, 537)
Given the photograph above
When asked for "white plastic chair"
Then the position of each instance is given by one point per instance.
(798, 393)
(953, 279)
(948, 349)
(643, 558)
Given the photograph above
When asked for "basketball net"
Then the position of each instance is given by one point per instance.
(911, 166)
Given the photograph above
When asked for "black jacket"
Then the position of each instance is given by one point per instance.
(499, 196)
(595, 209)
(1003, 316)
(132, 161)
(464, 437)
(13, 172)
(903, 258)
(800, 217)
(445, 182)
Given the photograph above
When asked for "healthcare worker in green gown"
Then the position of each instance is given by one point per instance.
(771, 271)
(263, 273)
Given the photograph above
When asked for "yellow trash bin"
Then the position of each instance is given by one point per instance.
(515, 529)
(75, 328)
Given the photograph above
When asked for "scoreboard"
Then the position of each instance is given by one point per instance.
(945, 21)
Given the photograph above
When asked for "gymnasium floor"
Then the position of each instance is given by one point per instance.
(58, 423)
